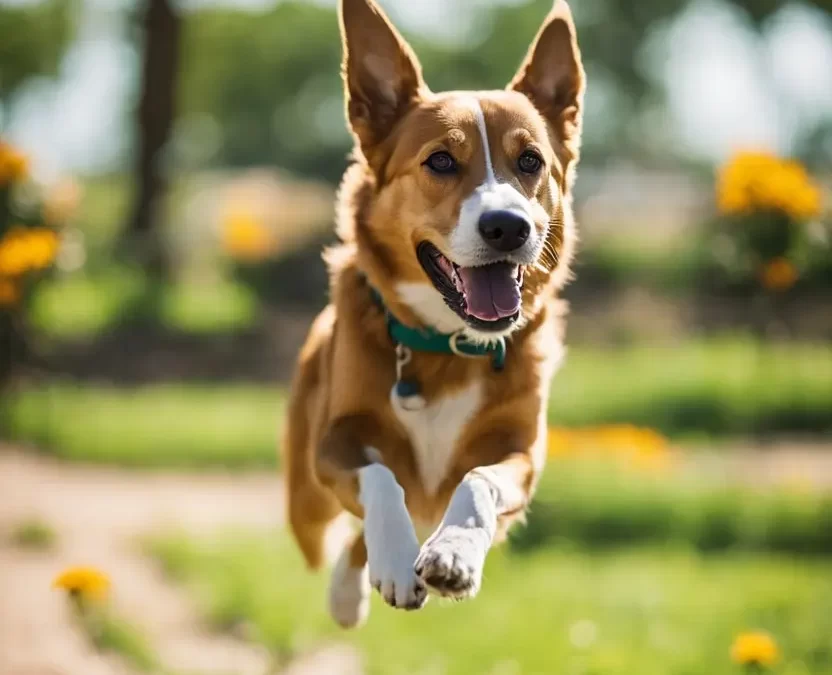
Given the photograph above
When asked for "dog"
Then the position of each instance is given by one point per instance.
(419, 400)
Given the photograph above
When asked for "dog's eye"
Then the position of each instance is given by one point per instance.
(441, 162)
(529, 162)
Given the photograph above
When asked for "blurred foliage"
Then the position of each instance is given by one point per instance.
(85, 306)
(706, 387)
(159, 426)
(258, 76)
(662, 611)
(596, 504)
(33, 534)
(116, 635)
(768, 233)
(33, 37)
(263, 87)
(29, 245)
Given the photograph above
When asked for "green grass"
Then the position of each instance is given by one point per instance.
(701, 388)
(164, 426)
(598, 506)
(215, 307)
(650, 612)
(33, 535)
(116, 635)
(83, 306)
(80, 306)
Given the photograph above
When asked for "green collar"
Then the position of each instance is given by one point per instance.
(430, 340)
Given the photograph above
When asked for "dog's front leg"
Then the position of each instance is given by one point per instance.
(392, 546)
(352, 468)
(452, 559)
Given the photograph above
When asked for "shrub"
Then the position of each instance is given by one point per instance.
(28, 247)
(769, 213)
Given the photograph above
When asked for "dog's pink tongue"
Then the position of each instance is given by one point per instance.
(491, 291)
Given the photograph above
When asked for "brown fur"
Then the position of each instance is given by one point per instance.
(388, 204)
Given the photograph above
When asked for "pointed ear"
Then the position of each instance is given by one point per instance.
(552, 77)
(382, 76)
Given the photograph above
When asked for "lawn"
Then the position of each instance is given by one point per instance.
(708, 388)
(84, 306)
(659, 611)
(159, 426)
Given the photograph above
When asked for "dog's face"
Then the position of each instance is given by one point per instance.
(470, 187)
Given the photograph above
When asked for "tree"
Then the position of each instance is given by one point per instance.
(33, 38)
(162, 28)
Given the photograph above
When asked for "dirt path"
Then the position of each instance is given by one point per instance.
(98, 514)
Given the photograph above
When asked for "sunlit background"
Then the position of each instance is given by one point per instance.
(167, 174)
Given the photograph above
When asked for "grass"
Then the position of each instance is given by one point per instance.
(80, 307)
(645, 611)
(597, 506)
(83, 306)
(670, 267)
(118, 636)
(159, 426)
(701, 388)
(33, 535)
(219, 306)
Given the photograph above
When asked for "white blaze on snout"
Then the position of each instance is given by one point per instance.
(467, 246)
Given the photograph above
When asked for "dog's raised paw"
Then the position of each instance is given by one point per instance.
(392, 575)
(402, 591)
(451, 562)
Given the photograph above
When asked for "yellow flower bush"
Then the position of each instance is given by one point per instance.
(14, 166)
(760, 181)
(84, 583)
(9, 293)
(778, 275)
(245, 236)
(640, 447)
(25, 250)
(755, 649)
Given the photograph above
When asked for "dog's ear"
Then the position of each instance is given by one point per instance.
(552, 77)
(382, 76)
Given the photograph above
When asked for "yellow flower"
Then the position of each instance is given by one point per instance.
(640, 447)
(245, 237)
(760, 181)
(9, 293)
(22, 250)
(86, 583)
(778, 275)
(13, 164)
(755, 649)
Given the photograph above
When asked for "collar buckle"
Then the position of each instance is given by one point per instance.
(453, 343)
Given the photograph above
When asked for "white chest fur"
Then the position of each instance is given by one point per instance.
(435, 430)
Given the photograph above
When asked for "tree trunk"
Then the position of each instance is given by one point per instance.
(162, 34)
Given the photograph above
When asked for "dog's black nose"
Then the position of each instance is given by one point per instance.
(504, 230)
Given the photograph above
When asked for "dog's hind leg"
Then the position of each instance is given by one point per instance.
(349, 587)
(311, 506)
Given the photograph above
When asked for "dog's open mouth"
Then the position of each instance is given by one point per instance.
(486, 297)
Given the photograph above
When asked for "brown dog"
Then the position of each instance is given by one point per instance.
(421, 393)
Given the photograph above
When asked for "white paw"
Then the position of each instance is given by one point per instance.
(349, 592)
(451, 562)
(392, 575)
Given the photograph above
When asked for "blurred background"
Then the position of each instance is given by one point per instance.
(167, 173)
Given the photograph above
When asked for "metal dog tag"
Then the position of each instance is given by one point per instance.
(407, 391)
